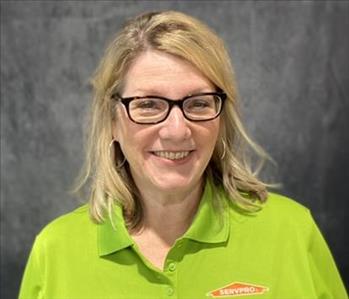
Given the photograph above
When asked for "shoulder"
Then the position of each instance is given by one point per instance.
(71, 225)
(283, 212)
(280, 213)
(284, 206)
(281, 207)
(74, 218)
(281, 220)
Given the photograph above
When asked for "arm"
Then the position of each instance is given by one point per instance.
(31, 286)
(326, 278)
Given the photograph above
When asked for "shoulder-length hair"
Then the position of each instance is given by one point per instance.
(183, 36)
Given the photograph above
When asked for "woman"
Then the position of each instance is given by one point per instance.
(175, 210)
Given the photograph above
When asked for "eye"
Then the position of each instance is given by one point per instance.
(198, 103)
(147, 104)
(201, 103)
(147, 107)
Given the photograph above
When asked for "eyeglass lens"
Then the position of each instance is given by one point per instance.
(149, 110)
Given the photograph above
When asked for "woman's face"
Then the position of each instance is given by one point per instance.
(152, 151)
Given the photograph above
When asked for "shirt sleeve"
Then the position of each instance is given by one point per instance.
(326, 278)
(32, 283)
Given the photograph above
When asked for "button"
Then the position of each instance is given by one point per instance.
(172, 267)
(170, 291)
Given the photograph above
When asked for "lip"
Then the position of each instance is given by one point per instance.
(172, 162)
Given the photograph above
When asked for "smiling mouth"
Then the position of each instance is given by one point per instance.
(172, 155)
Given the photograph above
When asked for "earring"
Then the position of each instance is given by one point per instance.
(224, 149)
(118, 166)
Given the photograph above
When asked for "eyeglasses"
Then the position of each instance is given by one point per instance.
(155, 109)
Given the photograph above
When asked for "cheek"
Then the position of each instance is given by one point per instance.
(134, 139)
(122, 127)
(211, 132)
(118, 124)
(212, 138)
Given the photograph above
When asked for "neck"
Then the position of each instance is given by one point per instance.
(168, 216)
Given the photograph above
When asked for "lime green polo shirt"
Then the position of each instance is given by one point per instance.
(275, 253)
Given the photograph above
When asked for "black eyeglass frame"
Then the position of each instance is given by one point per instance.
(171, 103)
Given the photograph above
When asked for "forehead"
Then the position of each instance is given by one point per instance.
(164, 74)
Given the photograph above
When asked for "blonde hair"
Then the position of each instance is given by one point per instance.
(185, 37)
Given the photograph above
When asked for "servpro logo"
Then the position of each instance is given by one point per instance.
(238, 289)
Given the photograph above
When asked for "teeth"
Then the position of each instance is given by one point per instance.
(172, 155)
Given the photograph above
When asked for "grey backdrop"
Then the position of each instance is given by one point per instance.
(291, 60)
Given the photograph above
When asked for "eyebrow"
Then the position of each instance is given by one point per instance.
(162, 93)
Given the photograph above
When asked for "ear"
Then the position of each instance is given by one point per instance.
(115, 131)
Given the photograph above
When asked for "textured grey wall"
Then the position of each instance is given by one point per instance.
(291, 60)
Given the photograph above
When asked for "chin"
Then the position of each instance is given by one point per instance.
(173, 183)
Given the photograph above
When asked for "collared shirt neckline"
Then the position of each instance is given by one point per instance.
(112, 235)
(208, 226)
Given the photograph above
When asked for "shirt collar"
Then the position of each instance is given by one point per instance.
(208, 226)
(112, 234)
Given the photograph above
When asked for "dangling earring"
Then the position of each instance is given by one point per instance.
(119, 166)
(224, 149)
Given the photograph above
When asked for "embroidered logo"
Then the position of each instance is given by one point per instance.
(238, 289)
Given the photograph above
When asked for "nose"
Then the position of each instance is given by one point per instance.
(175, 127)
